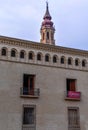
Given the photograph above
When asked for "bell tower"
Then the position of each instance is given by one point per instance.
(47, 29)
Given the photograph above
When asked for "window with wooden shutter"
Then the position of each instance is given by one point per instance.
(71, 84)
(29, 117)
(73, 118)
(28, 84)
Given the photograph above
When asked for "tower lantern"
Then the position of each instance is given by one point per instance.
(47, 29)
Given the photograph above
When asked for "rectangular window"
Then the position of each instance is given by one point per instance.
(71, 84)
(28, 84)
(29, 117)
(73, 117)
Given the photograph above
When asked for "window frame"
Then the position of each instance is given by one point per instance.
(4, 53)
(13, 53)
(69, 61)
(54, 59)
(28, 90)
(22, 54)
(73, 125)
(69, 81)
(84, 63)
(39, 57)
(30, 55)
(76, 62)
(62, 60)
(29, 125)
(47, 58)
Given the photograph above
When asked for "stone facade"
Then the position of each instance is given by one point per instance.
(50, 78)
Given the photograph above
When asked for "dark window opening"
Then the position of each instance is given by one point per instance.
(76, 62)
(71, 85)
(83, 63)
(54, 59)
(3, 53)
(62, 60)
(31, 56)
(28, 116)
(38, 56)
(13, 53)
(28, 84)
(21, 54)
(47, 35)
(69, 61)
(47, 58)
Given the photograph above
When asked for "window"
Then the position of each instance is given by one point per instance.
(83, 63)
(69, 61)
(71, 85)
(47, 58)
(62, 60)
(76, 62)
(38, 56)
(31, 56)
(71, 93)
(47, 35)
(54, 59)
(28, 84)
(73, 118)
(29, 117)
(22, 54)
(3, 52)
(13, 53)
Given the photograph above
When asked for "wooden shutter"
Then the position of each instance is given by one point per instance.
(72, 85)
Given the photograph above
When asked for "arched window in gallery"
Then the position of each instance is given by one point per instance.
(31, 55)
(22, 54)
(39, 56)
(3, 52)
(55, 59)
(83, 63)
(76, 62)
(47, 58)
(13, 53)
(69, 61)
(62, 60)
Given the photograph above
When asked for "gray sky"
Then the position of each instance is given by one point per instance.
(22, 19)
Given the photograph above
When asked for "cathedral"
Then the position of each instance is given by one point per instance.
(42, 86)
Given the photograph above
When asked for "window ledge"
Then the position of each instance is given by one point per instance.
(29, 96)
(72, 99)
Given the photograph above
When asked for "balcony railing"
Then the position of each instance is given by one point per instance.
(24, 92)
(73, 95)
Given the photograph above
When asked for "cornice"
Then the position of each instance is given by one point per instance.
(41, 46)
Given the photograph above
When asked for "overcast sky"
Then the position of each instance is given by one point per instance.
(22, 19)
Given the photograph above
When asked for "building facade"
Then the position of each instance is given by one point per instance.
(42, 86)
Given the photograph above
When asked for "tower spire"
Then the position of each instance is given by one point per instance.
(47, 14)
(47, 29)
